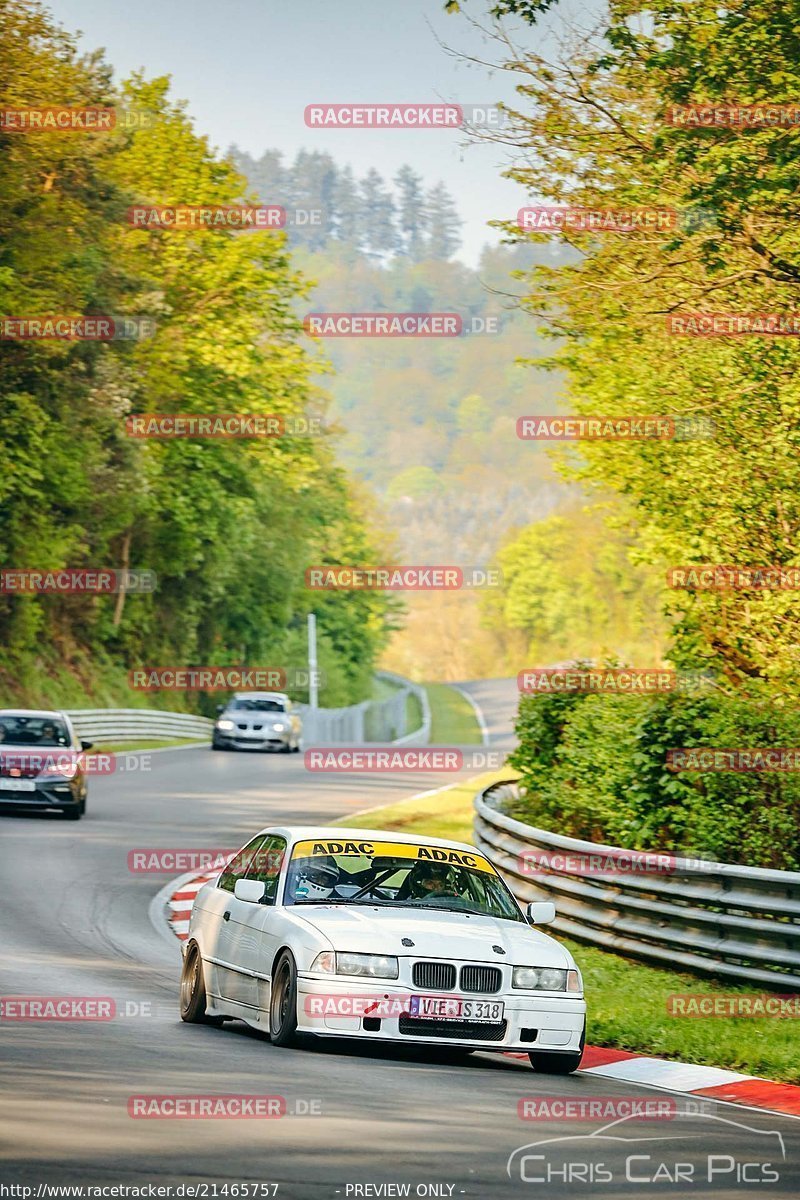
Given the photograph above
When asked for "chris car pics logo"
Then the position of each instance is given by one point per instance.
(696, 1151)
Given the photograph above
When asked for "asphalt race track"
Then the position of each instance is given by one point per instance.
(75, 923)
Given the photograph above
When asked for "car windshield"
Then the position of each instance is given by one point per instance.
(399, 876)
(32, 731)
(257, 706)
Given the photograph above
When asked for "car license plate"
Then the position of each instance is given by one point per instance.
(17, 785)
(443, 1007)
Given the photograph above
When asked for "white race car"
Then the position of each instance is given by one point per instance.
(358, 933)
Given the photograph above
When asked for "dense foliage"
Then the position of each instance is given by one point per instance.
(597, 134)
(228, 527)
(595, 767)
(596, 130)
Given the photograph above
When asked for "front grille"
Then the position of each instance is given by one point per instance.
(435, 976)
(465, 1031)
(481, 979)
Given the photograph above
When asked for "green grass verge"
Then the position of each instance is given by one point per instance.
(627, 1000)
(413, 712)
(453, 720)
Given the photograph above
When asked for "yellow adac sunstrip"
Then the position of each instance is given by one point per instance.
(370, 849)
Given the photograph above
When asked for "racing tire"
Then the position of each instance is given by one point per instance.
(75, 811)
(298, 746)
(216, 746)
(193, 991)
(283, 1002)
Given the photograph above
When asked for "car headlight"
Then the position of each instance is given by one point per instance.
(539, 979)
(224, 724)
(61, 766)
(280, 725)
(374, 966)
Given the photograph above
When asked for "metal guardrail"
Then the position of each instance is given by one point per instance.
(380, 721)
(719, 919)
(383, 722)
(135, 724)
(422, 735)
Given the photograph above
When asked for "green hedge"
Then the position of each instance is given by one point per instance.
(594, 767)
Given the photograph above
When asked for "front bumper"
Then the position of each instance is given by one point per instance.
(338, 1008)
(267, 739)
(51, 793)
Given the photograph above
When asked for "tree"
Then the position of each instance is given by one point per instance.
(412, 217)
(313, 189)
(443, 224)
(347, 209)
(377, 216)
(227, 527)
(597, 132)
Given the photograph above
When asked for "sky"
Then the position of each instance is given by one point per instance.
(248, 68)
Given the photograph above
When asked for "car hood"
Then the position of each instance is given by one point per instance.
(30, 761)
(439, 934)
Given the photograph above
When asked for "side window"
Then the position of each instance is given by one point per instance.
(237, 867)
(266, 865)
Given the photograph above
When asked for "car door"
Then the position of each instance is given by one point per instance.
(259, 932)
(222, 917)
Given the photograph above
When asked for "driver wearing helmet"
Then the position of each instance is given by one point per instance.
(315, 880)
(430, 879)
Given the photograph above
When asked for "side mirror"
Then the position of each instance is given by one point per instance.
(540, 912)
(251, 890)
(220, 708)
(86, 745)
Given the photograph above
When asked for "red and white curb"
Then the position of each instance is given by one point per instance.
(694, 1079)
(181, 894)
(691, 1079)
